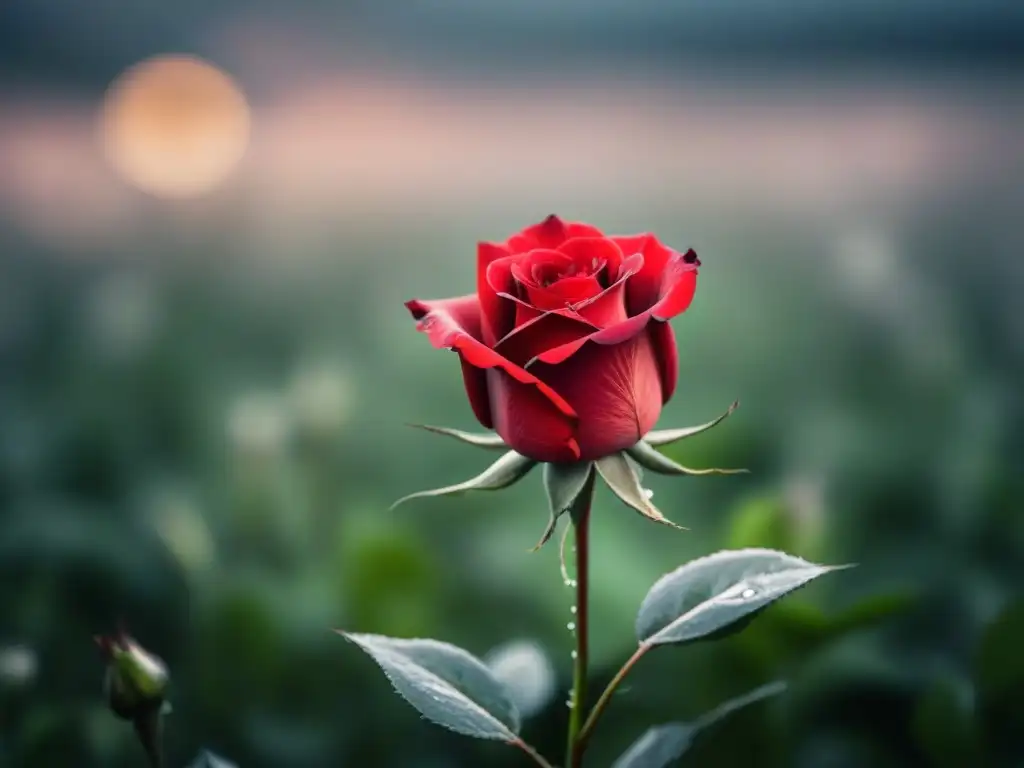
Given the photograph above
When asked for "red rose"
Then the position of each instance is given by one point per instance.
(565, 346)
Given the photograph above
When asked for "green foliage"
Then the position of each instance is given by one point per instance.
(708, 596)
(945, 726)
(127, 489)
(662, 745)
(999, 682)
(445, 684)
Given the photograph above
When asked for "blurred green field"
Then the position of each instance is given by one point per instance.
(206, 444)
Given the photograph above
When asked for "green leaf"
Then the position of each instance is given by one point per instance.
(710, 594)
(659, 746)
(999, 679)
(446, 685)
(662, 745)
(478, 439)
(507, 470)
(564, 483)
(669, 436)
(622, 479)
(646, 456)
(944, 724)
(1000, 663)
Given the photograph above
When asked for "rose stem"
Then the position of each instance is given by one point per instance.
(581, 526)
(534, 754)
(605, 699)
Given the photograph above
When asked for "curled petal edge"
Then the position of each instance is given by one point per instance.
(676, 301)
(445, 332)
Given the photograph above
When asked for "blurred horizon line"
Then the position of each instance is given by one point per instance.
(325, 142)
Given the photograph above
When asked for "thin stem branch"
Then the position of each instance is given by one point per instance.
(581, 526)
(536, 756)
(606, 697)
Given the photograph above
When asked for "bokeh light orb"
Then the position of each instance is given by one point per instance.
(174, 126)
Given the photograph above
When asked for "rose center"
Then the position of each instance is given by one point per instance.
(545, 275)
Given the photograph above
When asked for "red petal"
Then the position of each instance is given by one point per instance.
(455, 324)
(586, 252)
(525, 313)
(609, 308)
(527, 266)
(527, 423)
(552, 329)
(680, 283)
(497, 312)
(630, 244)
(566, 292)
(501, 280)
(554, 279)
(550, 233)
(663, 340)
(615, 390)
(650, 283)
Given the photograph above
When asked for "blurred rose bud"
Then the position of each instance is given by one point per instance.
(136, 688)
(136, 680)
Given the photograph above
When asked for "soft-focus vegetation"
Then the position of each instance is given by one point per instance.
(210, 452)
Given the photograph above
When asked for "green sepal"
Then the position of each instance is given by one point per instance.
(477, 439)
(649, 458)
(507, 470)
(622, 479)
(566, 484)
(668, 436)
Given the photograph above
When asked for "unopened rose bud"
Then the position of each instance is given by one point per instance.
(136, 686)
(136, 679)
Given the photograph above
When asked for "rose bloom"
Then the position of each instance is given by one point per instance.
(566, 348)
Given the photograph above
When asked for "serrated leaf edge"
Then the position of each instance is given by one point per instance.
(659, 584)
(513, 735)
